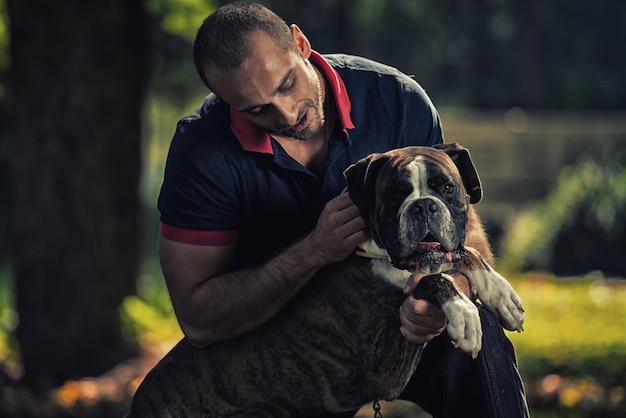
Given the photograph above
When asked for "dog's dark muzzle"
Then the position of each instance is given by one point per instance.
(427, 239)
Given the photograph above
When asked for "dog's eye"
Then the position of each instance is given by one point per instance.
(448, 188)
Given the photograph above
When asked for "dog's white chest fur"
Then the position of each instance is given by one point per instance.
(381, 264)
(396, 277)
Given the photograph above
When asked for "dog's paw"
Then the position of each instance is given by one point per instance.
(509, 311)
(464, 326)
(501, 299)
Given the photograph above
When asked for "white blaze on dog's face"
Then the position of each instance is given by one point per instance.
(428, 204)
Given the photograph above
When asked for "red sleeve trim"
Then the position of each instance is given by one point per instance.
(190, 236)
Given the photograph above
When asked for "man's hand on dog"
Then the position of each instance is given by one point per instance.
(339, 230)
(421, 320)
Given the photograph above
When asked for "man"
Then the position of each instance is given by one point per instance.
(253, 201)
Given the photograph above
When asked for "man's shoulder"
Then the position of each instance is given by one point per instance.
(363, 76)
(210, 107)
(344, 63)
(210, 119)
(385, 100)
(204, 133)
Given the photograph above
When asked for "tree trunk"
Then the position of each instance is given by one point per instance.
(78, 75)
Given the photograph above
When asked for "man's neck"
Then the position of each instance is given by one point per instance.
(310, 153)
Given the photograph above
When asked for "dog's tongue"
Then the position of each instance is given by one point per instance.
(428, 246)
(431, 246)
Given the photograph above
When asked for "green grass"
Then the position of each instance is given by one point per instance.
(572, 354)
(572, 325)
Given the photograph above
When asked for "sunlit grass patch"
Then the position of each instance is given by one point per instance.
(572, 354)
(573, 323)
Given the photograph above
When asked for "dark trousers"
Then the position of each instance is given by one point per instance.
(448, 383)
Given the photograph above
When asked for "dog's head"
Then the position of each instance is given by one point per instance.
(415, 201)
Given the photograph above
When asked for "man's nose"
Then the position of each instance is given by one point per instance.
(287, 111)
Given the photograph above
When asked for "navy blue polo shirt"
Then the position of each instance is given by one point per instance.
(227, 182)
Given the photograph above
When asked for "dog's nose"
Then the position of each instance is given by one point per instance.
(425, 207)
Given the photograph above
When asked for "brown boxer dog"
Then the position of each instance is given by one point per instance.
(337, 346)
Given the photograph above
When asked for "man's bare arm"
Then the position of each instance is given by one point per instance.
(212, 305)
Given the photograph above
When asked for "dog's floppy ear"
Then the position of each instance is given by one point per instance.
(361, 177)
(463, 161)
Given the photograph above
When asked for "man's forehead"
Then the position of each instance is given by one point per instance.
(258, 78)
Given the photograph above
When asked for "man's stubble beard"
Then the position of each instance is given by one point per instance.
(306, 133)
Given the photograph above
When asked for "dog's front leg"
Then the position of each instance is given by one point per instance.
(463, 327)
(493, 290)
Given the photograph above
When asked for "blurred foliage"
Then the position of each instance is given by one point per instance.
(4, 46)
(174, 77)
(591, 193)
(180, 17)
(149, 316)
(573, 327)
(4, 129)
(8, 318)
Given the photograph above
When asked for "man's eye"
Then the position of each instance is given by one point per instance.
(288, 86)
(255, 111)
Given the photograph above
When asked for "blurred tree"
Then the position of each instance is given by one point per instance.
(78, 78)
(4, 149)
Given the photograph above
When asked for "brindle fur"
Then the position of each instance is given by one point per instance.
(334, 347)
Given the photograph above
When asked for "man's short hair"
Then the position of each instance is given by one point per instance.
(222, 42)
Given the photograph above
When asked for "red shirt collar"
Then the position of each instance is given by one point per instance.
(256, 139)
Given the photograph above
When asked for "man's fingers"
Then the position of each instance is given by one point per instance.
(341, 201)
(340, 228)
(422, 313)
(421, 320)
(412, 282)
(341, 211)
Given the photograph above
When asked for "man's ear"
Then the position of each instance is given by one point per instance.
(463, 161)
(361, 177)
(302, 43)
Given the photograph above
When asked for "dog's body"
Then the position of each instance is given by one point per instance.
(337, 346)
